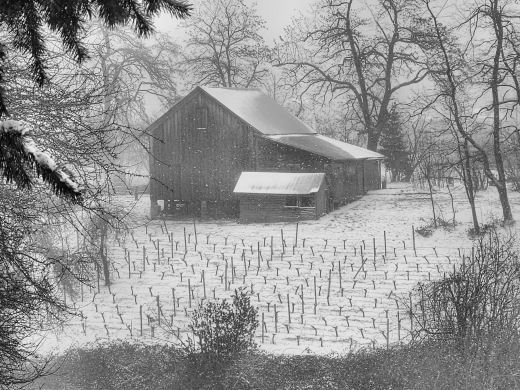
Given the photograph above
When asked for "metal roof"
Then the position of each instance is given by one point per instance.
(326, 147)
(259, 111)
(280, 183)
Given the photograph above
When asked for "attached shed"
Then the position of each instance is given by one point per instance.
(277, 196)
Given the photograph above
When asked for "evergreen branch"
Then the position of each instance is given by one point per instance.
(19, 157)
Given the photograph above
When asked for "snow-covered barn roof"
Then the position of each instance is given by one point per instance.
(259, 111)
(276, 123)
(326, 147)
(279, 183)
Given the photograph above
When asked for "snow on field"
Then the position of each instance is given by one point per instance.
(332, 290)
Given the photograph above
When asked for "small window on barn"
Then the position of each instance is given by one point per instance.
(291, 201)
(306, 201)
(201, 118)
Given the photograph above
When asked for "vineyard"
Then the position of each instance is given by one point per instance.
(334, 285)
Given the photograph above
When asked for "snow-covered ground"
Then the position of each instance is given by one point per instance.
(332, 290)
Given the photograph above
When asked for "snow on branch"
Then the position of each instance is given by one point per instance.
(12, 126)
(18, 152)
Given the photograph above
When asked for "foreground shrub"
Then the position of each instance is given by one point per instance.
(221, 331)
(434, 224)
(431, 364)
(478, 304)
(224, 329)
(119, 365)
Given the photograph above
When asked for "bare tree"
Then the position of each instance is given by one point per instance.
(37, 266)
(134, 71)
(25, 21)
(135, 74)
(458, 78)
(224, 46)
(365, 61)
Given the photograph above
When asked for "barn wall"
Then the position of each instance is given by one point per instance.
(372, 170)
(271, 208)
(344, 179)
(190, 164)
(272, 156)
(321, 201)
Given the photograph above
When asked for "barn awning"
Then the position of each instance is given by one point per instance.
(279, 183)
(327, 147)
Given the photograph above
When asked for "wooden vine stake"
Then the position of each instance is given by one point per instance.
(158, 311)
(226, 277)
(174, 303)
(398, 329)
(141, 320)
(189, 293)
(384, 238)
(315, 295)
(303, 302)
(263, 322)
(339, 273)
(387, 333)
(275, 319)
(258, 252)
(328, 289)
(185, 241)
(288, 309)
(413, 238)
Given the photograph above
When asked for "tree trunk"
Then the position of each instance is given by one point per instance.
(102, 251)
(452, 204)
(429, 180)
(468, 184)
(495, 81)
(373, 139)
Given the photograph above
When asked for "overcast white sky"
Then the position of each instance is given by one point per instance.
(277, 14)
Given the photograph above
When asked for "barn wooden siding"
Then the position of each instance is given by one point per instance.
(271, 208)
(190, 164)
(345, 178)
(372, 175)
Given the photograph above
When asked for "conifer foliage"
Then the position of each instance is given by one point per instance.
(26, 20)
(393, 146)
(19, 156)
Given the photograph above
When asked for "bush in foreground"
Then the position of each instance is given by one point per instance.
(223, 329)
(425, 365)
(477, 305)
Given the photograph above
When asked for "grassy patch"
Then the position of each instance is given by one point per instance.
(422, 366)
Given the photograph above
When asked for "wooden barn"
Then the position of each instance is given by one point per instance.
(201, 146)
(281, 196)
